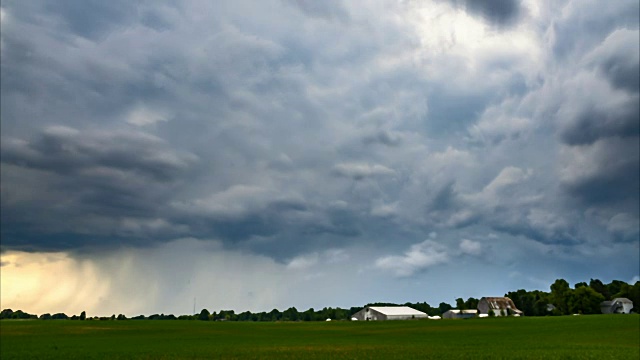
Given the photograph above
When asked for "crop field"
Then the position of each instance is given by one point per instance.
(574, 337)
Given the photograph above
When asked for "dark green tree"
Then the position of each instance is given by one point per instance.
(444, 307)
(601, 288)
(291, 314)
(585, 300)
(560, 294)
(204, 315)
(471, 303)
(83, 315)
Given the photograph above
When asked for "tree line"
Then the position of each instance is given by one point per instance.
(583, 298)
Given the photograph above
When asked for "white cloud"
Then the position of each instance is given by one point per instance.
(508, 176)
(143, 115)
(419, 257)
(470, 247)
(316, 260)
(303, 262)
(359, 171)
(385, 210)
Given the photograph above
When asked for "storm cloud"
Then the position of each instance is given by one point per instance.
(405, 139)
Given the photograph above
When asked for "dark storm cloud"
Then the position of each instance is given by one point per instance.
(383, 137)
(67, 151)
(242, 142)
(499, 12)
(600, 125)
(598, 121)
(90, 183)
(611, 176)
(614, 113)
(287, 127)
(593, 123)
(92, 18)
(586, 24)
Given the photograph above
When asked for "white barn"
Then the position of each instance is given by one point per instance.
(389, 313)
(616, 306)
(460, 314)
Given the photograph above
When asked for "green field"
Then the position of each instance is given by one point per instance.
(578, 337)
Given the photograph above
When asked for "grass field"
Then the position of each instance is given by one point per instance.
(575, 337)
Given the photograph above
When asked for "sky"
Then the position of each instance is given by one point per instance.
(160, 156)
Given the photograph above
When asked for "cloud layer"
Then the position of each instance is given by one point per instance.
(288, 130)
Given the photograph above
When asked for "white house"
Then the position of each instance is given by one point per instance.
(389, 313)
(616, 306)
(460, 314)
(501, 306)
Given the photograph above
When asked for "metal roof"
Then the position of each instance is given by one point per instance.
(397, 310)
(499, 303)
(622, 300)
(469, 311)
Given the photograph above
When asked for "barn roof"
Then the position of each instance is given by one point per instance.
(469, 311)
(500, 303)
(397, 310)
(622, 300)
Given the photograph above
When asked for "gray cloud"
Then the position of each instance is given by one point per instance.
(592, 21)
(284, 129)
(324, 9)
(90, 182)
(499, 12)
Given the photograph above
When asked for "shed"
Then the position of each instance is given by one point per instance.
(459, 314)
(389, 313)
(501, 306)
(616, 306)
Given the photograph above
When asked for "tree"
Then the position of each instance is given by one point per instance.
(585, 300)
(83, 315)
(599, 287)
(614, 287)
(471, 303)
(291, 314)
(59, 316)
(460, 305)
(444, 307)
(275, 315)
(560, 293)
(204, 315)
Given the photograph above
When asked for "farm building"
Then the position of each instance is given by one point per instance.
(389, 313)
(501, 306)
(459, 314)
(616, 306)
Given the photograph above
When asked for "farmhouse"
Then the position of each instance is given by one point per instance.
(501, 306)
(459, 314)
(389, 313)
(616, 306)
